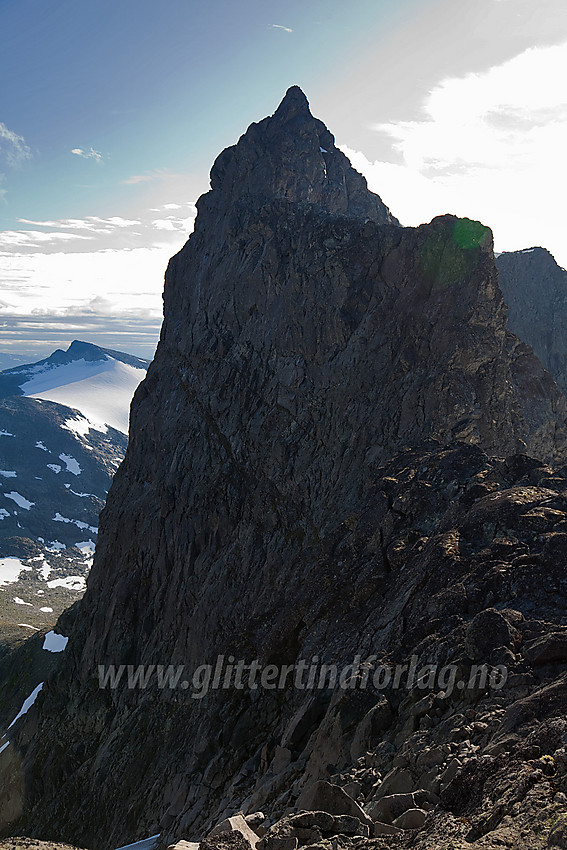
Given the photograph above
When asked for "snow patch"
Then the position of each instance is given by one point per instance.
(19, 500)
(19, 601)
(55, 467)
(3, 747)
(6, 434)
(71, 464)
(56, 546)
(10, 569)
(27, 704)
(44, 571)
(145, 844)
(79, 523)
(4, 513)
(39, 445)
(8, 473)
(81, 426)
(54, 642)
(87, 547)
(46, 610)
(70, 582)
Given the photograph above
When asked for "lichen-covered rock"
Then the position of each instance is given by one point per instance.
(558, 834)
(237, 823)
(225, 840)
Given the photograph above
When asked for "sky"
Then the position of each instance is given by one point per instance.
(111, 115)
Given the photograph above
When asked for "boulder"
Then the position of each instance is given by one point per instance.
(387, 809)
(255, 819)
(226, 840)
(548, 649)
(323, 796)
(379, 829)
(412, 819)
(237, 823)
(349, 825)
(487, 631)
(184, 845)
(307, 820)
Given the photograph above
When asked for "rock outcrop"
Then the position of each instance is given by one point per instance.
(535, 289)
(309, 481)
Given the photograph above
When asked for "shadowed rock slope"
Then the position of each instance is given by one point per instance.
(535, 289)
(269, 508)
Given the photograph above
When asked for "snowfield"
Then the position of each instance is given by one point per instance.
(100, 389)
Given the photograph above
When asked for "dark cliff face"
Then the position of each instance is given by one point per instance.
(307, 339)
(535, 290)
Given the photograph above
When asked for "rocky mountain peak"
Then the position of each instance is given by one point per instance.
(294, 104)
(292, 155)
(306, 477)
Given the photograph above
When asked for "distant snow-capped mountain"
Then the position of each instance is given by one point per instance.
(97, 381)
(63, 433)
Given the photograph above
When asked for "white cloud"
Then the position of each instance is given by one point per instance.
(34, 238)
(13, 147)
(103, 267)
(491, 119)
(280, 27)
(172, 223)
(93, 233)
(105, 283)
(90, 222)
(90, 154)
(490, 146)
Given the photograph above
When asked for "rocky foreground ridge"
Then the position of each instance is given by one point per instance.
(328, 460)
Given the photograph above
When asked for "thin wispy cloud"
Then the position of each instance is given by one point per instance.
(151, 176)
(90, 222)
(13, 148)
(88, 154)
(34, 238)
(93, 233)
(280, 27)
